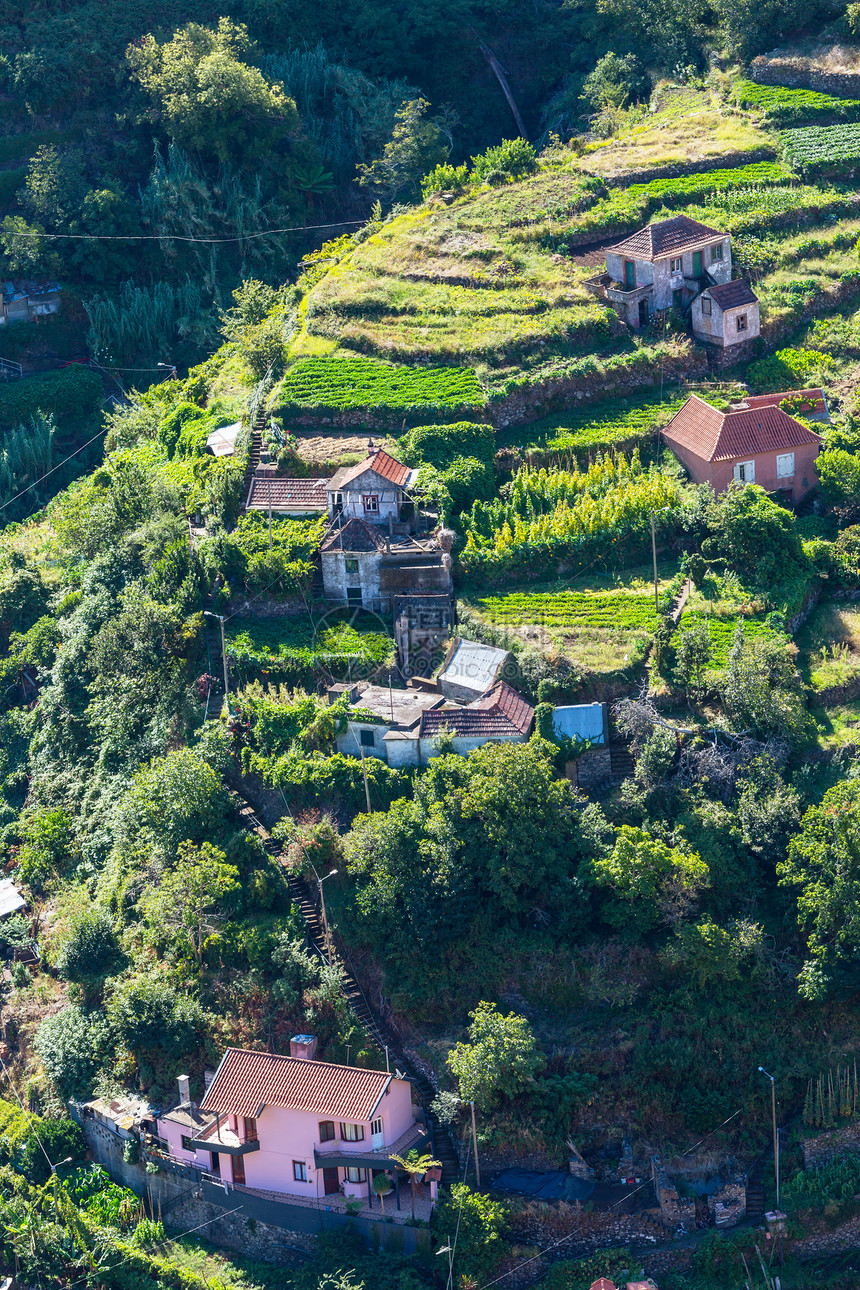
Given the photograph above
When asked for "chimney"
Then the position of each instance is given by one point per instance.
(371, 447)
(208, 1077)
(184, 1090)
(304, 1047)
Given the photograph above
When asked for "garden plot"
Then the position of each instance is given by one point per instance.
(345, 382)
(604, 628)
(341, 644)
(829, 644)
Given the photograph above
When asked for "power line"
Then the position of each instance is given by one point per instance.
(173, 237)
(26, 1114)
(36, 482)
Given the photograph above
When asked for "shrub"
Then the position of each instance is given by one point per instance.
(442, 445)
(59, 1139)
(512, 159)
(90, 946)
(70, 392)
(445, 178)
(822, 149)
(467, 479)
(71, 1046)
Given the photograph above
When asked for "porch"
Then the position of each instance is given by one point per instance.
(367, 1207)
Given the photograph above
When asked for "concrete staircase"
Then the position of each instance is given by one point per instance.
(375, 1029)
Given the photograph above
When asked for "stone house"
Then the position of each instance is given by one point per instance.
(375, 490)
(363, 566)
(749, 445)
(726, 315)
(296, 1126)
(665, 265)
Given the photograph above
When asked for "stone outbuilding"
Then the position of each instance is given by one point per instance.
(365, 567)
(664, 266)
(726, 315)
(748, 445)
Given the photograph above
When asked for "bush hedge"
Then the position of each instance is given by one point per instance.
(70, 392)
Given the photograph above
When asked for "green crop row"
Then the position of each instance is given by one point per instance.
(349, 381)
(621, 610)
(722, 632)
(287, 643)
(793, 106)
(609, 425)
(822, 149)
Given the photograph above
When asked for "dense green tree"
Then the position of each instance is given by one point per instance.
(88, 949)
(188, 903)
(72, 1045)
(755, 536)
(823, 864)
(762, 691)
(415, 147)
(650, 882)
(177, 798)
(500, 1057)
(614, 82)
(479, 1223)
(150, 1015)
(49, 847)
(208, 97)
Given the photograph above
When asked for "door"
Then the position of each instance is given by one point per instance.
(643, 313)
(629, 273)
(377, 1136)
(677, 298)
(697, 264)
(216, 1164)
(331, 1182)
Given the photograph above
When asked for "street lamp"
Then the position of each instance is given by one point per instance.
(208, 614)
(775, 1134)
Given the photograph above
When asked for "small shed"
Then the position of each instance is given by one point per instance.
(471, 669)
(727, 314)
(222, 442)
(582, 721)
(11, 900)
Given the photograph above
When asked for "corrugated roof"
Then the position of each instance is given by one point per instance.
(222, 442)
(245, 1081)
(356, 535)
(11, 899)
(579, 721)
(379, 462)
(720, 436)
(300, 495)
(730, 295)
(666, 237)
(473, 666)
(500, 714)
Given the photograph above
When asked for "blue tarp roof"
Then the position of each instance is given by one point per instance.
(579, 721)
(553, 1185)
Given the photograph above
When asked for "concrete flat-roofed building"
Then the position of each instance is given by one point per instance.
(391, 717)
(470, 669)
(665, 265)
(748, 445)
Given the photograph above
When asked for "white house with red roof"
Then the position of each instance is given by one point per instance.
(758, 444)
(664, 265)
(374, 490)
(294, 1125)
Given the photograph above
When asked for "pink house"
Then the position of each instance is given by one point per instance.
(294, 1125)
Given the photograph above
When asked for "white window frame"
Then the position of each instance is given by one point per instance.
(716, 253)
(744, 472)
(782, 459)
(356, 1174)
(370, 501)
(676, 264)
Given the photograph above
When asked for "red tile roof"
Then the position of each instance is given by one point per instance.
(729, 295)
(666, 237)
(721, 436)
(355, 535)
(500, 714)
(379, 462)
(245, 1081)
(814, 397)
(287, 494)
(603, 1284)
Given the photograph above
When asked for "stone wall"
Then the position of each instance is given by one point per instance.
(591, 771)
(830, 70)
(826, 1146)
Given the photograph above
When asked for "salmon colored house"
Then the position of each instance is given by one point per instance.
(753, 443)
(294, 1125)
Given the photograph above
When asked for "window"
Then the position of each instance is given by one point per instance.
(706, 306)
(675, 265)
(300, 1171)
(375, 1127)
(355, 1175)
(785, 465)
(250, 1129)
(742, 322)
(716, 252)
(745, 472)
(368, 739)
(326, 1130)
(239, 1170)
(352, 1133)
(351, 564)
(370, 502)
(353, 595)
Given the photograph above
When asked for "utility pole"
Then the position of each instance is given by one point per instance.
(326, 931)
(475, 1147)
(775, 1132)
(269, 482)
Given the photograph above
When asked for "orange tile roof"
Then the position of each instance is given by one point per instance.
(287, 494)
(814, 397)
(245, 1081)
(379, 462)
(666, 237)
(501, 713)
(603, 1284)
(721, 436)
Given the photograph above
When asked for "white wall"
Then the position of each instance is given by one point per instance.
(336, 580)
(389, 497)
